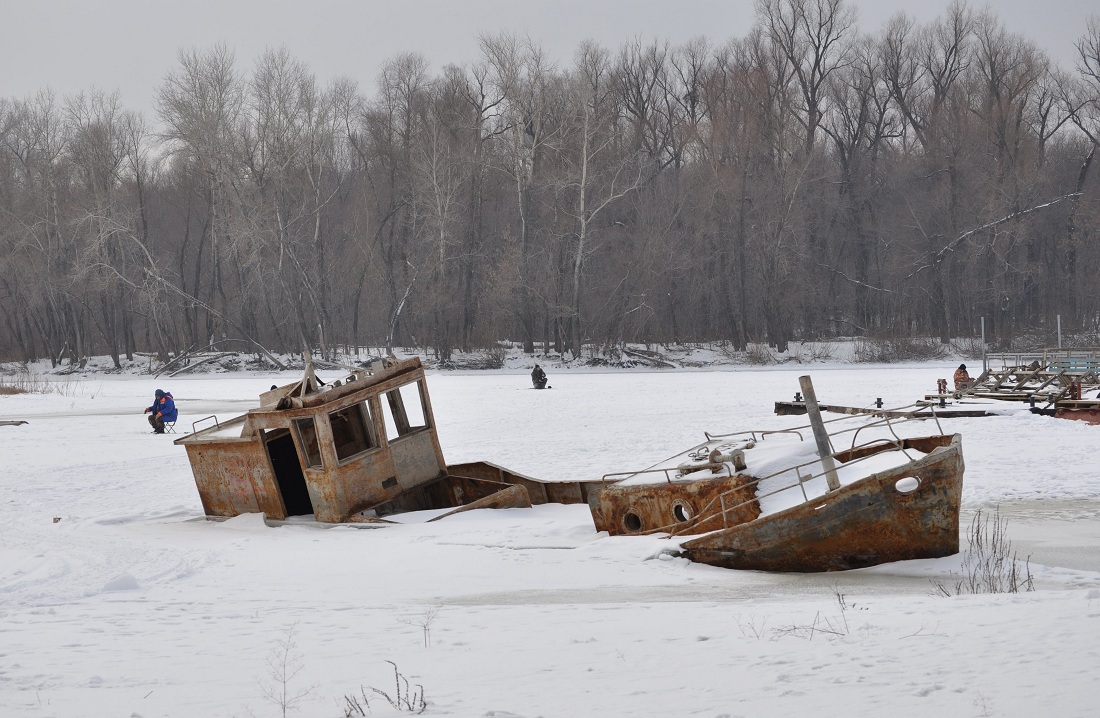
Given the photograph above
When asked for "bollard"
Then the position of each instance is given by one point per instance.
(797, 396)
(878, 403)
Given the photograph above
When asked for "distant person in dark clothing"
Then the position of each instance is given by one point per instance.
(162, 410)
(538, 377)
(962, 378)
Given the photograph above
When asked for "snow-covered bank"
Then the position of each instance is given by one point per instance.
(131, 604)
(510, 356)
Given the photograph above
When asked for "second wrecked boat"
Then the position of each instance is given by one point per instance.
(771, 501)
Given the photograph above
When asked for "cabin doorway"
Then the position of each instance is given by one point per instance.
(288, 474)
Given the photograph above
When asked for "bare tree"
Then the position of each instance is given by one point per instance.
(641, 78)
(799, 181)
(598, 170)
(36, 139)
(525, 78)
(813, 36)
(98, 152)
(1081, 100)
(200, 105)
(860, 122)
(482, 106)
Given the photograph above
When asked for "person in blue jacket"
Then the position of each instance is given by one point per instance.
(162, 410)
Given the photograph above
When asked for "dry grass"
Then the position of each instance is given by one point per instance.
(24, 382)
(990, 564)
(886, 351)
(27, 382)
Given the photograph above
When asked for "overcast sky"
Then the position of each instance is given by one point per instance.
(129, 45)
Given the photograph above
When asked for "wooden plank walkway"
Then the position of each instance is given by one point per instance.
(794, 408)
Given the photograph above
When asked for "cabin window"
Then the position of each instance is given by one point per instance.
(351, 431)
(307, 437)
(403, 410)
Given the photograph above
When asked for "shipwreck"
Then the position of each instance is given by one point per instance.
(351, 451)
(365, 447)
(772, 501)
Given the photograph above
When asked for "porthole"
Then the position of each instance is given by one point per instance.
(907, 485)
(632, 521)
(681, 511)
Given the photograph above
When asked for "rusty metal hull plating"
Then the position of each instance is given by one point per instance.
(625, 509)
(865, 523)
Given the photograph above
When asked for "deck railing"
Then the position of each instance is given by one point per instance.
(718, 505)
(1082, 359)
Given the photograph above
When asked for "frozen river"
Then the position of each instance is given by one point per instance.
(130, 604)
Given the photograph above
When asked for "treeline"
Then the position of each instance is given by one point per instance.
(805, 180)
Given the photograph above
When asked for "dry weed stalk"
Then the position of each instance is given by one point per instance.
(990, 564)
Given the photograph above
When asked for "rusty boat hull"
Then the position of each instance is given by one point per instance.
(624, 510)
(908, 512)
(1088, 415)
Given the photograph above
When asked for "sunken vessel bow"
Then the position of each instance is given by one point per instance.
(906, 512)
(893, 500)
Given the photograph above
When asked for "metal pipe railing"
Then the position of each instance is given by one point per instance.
(707, 512)
(196, 423)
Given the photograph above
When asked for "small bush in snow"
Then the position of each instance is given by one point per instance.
(403, 698)
(284, 664)
(759, 354)
(990, 564)
(424, 621)
(805, 352)
(27, 382)
(969, 347)
(753, 627)
(875, 351)
(822, 624)
(24, 382)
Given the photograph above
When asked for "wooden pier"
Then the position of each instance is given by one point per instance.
(1053, 382)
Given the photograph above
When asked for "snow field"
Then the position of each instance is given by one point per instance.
(134, 605)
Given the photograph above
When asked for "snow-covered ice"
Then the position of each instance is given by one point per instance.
(118, 599)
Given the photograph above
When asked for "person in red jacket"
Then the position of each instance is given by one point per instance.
(162, 410)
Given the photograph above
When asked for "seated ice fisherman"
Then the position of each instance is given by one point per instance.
(538, 377)
(962, 378)
(162, 410)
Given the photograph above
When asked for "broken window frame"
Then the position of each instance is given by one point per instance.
(370, 443)
(309, 446)
(395, 414)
